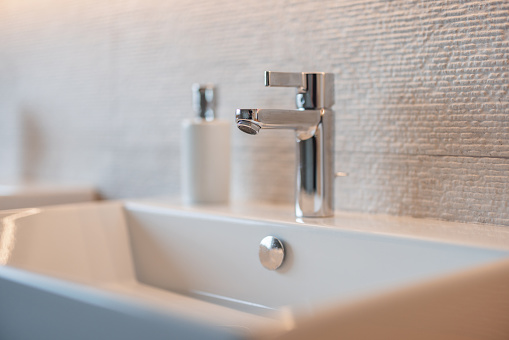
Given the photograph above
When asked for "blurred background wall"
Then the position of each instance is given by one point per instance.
(94, 92)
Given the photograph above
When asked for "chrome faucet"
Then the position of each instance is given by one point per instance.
(313, 122)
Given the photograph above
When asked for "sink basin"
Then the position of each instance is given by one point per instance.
(14, 196)
(157, 270)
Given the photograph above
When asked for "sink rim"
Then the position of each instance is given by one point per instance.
(455, 233)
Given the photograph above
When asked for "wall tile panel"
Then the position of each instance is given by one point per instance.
(95, 91)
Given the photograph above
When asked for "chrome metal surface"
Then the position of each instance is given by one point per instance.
(204, 100)
(313, 122)
(314, 90)
(271, 252)
(304, 122)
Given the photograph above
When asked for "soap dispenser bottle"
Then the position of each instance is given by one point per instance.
(205, 151)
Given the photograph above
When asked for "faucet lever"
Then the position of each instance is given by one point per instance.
(285, 79)
(315, 90)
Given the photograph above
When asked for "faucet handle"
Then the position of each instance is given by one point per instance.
(315, 90)
(285, 79)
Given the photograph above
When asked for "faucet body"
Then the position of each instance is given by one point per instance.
(313, 123)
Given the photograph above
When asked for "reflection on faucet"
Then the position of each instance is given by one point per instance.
(304, 122)
(313, 122)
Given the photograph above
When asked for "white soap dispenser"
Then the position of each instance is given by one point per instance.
(205, 151)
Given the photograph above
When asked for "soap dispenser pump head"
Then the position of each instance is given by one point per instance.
(204, 101)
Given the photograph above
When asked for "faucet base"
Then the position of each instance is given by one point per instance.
(315, 175)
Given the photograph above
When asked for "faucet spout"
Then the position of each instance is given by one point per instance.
(304, 122)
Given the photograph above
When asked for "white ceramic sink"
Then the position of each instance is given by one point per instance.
(25, 195)
(153, 270)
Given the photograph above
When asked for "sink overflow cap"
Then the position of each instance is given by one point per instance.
(271, 252)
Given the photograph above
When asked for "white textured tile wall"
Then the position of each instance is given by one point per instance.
(95, 91)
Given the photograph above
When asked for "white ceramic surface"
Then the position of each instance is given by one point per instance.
(121, 269)
(14, 196)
